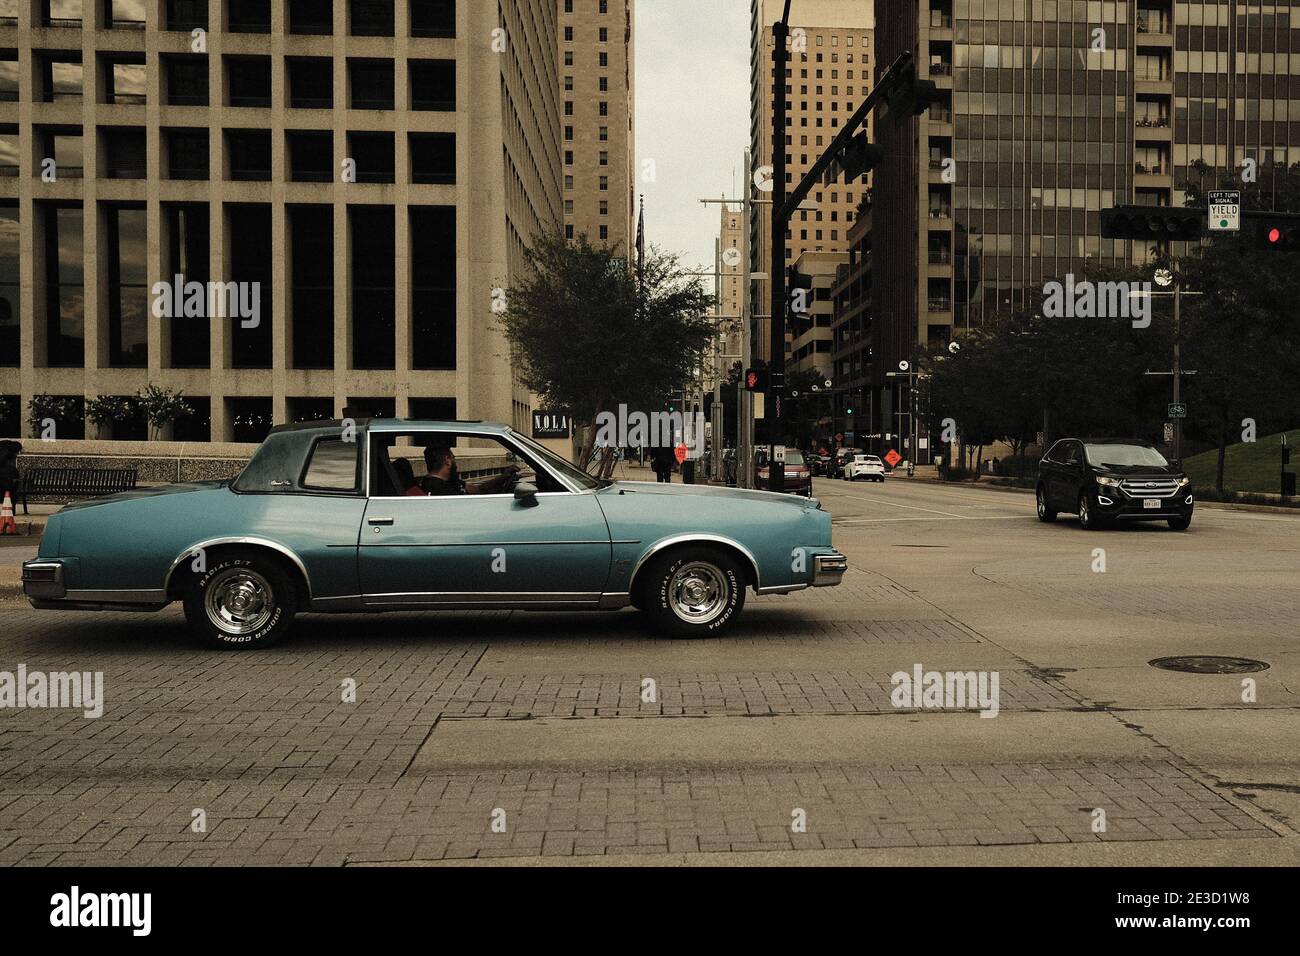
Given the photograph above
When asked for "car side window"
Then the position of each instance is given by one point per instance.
(333, 466)
(1073, 453)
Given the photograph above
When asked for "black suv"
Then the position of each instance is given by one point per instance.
(1112, 479)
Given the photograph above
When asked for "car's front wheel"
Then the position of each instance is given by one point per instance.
(693, 592)
(1088, 519)
(1044, 513)
(1180, 524)
(243, 601)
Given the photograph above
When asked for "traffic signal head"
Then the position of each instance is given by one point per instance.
(909, 96)
(1274, 232)
(1153, 222)
(756, 380)
(854, 160)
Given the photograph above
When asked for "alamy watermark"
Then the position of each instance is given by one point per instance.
(1085, 299)
(208, 300)
(630, 429)
(74, 690)
(946, 690)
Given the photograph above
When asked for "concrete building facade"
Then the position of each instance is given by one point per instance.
(597, 69)
(376, 169)
(828, 76)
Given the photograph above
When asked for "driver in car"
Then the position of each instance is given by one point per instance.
(444, 479)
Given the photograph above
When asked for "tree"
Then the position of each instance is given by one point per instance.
(107, 410)
(160, 407)
(586, 335)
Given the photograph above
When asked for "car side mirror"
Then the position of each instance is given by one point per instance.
(1176, 464)
(526, 494)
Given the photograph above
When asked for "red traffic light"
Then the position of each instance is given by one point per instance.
(751, 380)
(1274, 235)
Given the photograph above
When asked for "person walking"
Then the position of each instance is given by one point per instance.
(663, 464)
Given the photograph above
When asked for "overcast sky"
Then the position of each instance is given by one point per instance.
(691, 117)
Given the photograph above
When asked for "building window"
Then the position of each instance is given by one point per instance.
(604, 183)
(61, 13)
(186, 15)
(568, 34)
(568, 80)
(64, 286)
(433, 409)
(128, 305)
(9, 87)
(568, 107)
(187, 153)
(604, 108)
(9, 286)
(568, 157)
(250, 419)
(371, 18)
(604, 134)
(250, 154)
(126, 14)
(433, 158)
(250, 262)
(433, 85)
(64, 146)
(124, 82)
(248, 81)
(374, 297)
(568, 134)
(433, 287)
(433, 18)
(604, 84)
(568, 58)
(61, 78)
(311, 17)
(604, 232)
(604, 58)
(124, 152)
(371, 83)
(249, 16)
(604, 158)
(568, 231)
(311, 83)
(311, 263)
(373, 153)
(311, 155)
(186, 80)
(604, 34)
(187, 252)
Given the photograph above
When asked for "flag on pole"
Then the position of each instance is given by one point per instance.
(640, 247)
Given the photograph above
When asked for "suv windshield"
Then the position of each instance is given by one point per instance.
(1124, 455)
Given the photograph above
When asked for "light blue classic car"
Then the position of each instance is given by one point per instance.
(374, 515)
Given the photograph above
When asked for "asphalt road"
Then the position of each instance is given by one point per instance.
(584, 739)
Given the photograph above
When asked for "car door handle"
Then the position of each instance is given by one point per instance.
(377, 520)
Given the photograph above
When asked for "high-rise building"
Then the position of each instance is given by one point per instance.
(367, 172)
(731, 294)
(811, 340)
(597, 77)
(1057, 109)
(828, 75)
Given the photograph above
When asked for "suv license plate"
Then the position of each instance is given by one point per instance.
(1150, 502)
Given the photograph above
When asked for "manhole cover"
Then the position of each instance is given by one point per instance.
(1209, 665)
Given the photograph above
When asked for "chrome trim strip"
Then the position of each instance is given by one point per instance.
(612, 602)
(781, 588)
(472, 544)
(125, 596)
(523, 597)
(696, 536)
(262, 542)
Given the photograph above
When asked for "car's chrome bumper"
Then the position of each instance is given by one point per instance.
(43, 579)
(829, 569)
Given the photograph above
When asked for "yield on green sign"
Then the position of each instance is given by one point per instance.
(1177, 409)
(1224, 210)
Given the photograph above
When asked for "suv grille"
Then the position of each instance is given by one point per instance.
(1149, 487)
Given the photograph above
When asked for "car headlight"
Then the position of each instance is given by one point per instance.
(1107, 482)
(1184, 481)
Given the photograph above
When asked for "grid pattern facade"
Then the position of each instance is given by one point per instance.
(375, 167)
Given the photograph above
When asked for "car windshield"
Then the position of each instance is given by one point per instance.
(1125, 455)
(556, 463)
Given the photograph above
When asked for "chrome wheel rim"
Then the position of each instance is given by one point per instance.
(1042, 505)
(698, 592)
(1083, 511)
(239, 601)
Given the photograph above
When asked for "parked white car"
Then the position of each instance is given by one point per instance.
(868, 467)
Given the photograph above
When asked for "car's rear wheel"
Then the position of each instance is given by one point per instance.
(244, 600)
(1044, 513)
(1180, 524)
(693, 591)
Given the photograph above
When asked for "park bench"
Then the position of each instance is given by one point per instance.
(74, 482)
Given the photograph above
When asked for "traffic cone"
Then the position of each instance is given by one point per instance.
(7, 525)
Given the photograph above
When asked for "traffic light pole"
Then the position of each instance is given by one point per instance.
(776, 324)
(783, 208)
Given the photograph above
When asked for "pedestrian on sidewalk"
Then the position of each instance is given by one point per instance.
(663, 463)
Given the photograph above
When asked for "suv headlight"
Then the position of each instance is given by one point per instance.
(1107, 482)
(1184, 481)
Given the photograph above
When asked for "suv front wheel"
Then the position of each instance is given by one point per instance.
(1089, 520)
(1044, 513)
